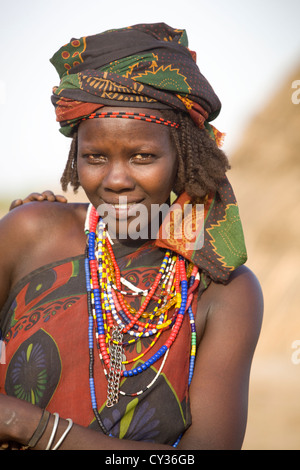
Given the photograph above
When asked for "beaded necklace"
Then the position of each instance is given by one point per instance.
(110, 316)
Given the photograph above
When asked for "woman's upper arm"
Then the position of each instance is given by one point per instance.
(16, 234)
(219, 389)
(7, 254)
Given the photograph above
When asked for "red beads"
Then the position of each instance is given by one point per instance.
(111, 308)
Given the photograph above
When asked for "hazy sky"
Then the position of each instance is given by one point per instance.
(245, 48)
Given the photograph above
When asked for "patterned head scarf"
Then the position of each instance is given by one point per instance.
(146, 65)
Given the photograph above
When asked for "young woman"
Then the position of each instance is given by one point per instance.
(118, 335)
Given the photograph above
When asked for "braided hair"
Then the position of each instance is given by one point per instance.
(201, 164)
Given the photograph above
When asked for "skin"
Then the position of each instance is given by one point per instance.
(228, 318)
(44, 196)
(136, 167)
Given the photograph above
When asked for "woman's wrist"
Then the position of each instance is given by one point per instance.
(31, 426)
(38, 433)
(23, 422)
(53, 435)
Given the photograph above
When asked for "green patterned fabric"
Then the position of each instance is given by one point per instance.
(223, 246)
(146, 65)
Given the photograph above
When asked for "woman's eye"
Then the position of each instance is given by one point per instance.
(143, 157)
(94, 158)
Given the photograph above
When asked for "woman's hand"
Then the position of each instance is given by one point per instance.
(44, 196)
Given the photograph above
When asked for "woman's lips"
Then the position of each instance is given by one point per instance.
(122, 209)
(128, 210)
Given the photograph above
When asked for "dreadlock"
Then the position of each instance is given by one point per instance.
(201, 164)
(70, 175)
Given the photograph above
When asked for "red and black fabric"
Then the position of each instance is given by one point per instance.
(47, 361)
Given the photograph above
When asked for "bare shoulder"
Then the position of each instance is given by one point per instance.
(38, 226)
(36, 234)
(235, 305)
(243, 288)
(35, 214)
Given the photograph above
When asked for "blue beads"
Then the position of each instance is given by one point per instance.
(147, 363)
(87, 275)
(93, 393)
(191, 369)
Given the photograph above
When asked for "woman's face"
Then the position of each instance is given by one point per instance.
(127, 168)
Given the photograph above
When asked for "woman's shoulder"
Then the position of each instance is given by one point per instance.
(38, 233)
(242, 288)
(37, 219)
(238, 304)
(243, 291)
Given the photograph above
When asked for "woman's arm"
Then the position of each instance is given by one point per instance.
(9, 250)
(219, 389)
(19, 420)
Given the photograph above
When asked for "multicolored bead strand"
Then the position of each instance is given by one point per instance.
(111, 317)
(193, 284)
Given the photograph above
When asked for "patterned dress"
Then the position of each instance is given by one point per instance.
(45, 330)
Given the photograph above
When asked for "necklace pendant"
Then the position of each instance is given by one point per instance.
(115, 367)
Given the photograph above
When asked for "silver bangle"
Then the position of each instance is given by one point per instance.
(55, 425)
(64, 434)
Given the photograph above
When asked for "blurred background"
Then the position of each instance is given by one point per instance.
(250, 52)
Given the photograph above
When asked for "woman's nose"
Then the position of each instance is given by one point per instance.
(118, 178)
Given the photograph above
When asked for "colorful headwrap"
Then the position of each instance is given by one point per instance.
(146, 65)
(150, 66)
